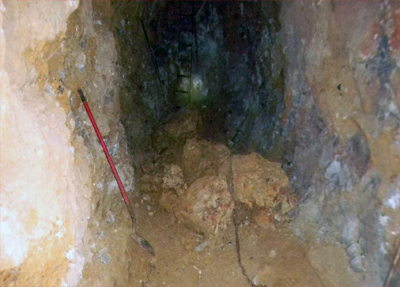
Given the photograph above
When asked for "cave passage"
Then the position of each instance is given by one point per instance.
(257, 143)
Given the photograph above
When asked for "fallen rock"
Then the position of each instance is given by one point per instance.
(207, 206)
(258, 182)
(186, 124)
(201, 158)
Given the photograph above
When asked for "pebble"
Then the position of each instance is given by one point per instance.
(146, 197)
(356, 265)
(104, 257)
(199, 247)
(354, 251)
(244, 223)
(110, 217)
(272, 254)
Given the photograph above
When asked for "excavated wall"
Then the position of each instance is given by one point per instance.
(62, 216)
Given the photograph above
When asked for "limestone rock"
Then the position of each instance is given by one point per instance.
(257, 181)
(202, 158)
(207, 206)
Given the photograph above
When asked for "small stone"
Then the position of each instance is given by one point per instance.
(351, 232)
(272, 254)
(278, 217)
(146, 197)
(110, 217)
(200, 247)
(173, 177)
(244, 223)
(333, 168)
(264, 219)
(104, 257)
(356, 265)
(287, 205)
(354, 251)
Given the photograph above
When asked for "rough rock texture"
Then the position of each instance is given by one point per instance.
(44, 200)
(173, 178)
(144, 100)
(185, 124)
(201, 157)
(341, 97)
(257, 181)
(207, 205)
(58, 197)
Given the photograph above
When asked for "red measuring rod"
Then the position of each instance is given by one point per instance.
(135, 236)
(96, 129)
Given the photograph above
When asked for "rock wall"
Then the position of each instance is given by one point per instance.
(144, 97)
(340, 125)
(60, 205)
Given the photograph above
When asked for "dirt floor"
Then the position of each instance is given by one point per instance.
(270, 256)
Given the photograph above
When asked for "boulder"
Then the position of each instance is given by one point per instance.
(207, 206)
(259, 182)
(201, 158)
(186, 124)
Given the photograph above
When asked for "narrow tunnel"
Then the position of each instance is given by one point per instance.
(257, 143)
